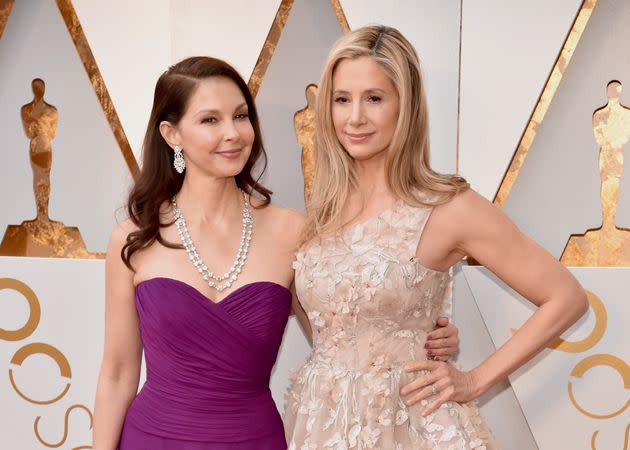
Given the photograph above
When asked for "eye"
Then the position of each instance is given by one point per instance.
(209, 120)
(241, 116)
(341, 99)
(374, 99)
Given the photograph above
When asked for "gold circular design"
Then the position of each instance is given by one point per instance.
(34, 315)
(44, 349)
(600, 360)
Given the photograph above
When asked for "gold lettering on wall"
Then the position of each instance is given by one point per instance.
(34, 314)
(42, 236)
(607, 245)
(625, 442)
(65, 428)
(588, 363)
(43, 349)
(304, 122)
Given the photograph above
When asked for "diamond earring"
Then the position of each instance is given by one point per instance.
(179, 162)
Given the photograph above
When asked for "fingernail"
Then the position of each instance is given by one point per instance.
(426, 345)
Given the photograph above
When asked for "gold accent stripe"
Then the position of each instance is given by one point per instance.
(553, 81)
(5, 10)
(341, 16)
(85, 53)
(264, 58)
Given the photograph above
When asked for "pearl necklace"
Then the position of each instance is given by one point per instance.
(213, 280)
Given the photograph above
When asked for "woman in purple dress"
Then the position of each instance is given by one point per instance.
(210, 338)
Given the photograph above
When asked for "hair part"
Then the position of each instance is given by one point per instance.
(409, 174)
(158, 182)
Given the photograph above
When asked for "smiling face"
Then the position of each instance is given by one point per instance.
(215, 132)
(365, 106)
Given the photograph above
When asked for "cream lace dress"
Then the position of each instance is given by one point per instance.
(370, 304)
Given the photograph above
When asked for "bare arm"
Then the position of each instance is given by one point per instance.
(470, 225)
(120, 369)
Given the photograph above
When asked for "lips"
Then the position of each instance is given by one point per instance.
(230, 153)
(359, 137)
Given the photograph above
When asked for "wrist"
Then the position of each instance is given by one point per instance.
(479, 383)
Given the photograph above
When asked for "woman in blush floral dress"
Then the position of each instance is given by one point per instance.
(374, 271)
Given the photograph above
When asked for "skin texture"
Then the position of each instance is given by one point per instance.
(466, 225)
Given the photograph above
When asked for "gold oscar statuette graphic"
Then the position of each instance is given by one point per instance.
(42, 236)
(607, 245)
(304, 122)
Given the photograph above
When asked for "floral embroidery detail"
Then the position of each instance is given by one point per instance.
(370, 303)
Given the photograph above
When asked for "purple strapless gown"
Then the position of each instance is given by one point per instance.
(208, 368)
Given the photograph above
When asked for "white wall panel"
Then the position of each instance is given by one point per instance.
(131, 43)
(231, 30)
(508, 51)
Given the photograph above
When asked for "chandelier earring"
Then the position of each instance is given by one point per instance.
(178, 161)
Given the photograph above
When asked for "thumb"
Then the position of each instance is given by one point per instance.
(442, 321)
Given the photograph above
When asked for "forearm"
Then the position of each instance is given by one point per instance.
(113, 397)
(547, 323)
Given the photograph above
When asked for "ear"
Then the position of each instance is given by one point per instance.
(170, 133)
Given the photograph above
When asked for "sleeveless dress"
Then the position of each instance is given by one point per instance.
(208, 368)
(370, 304)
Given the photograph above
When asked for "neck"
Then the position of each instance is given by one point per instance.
(372, 179)
(209, 200)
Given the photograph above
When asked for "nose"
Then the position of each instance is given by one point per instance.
(230, 132)
(357, 114)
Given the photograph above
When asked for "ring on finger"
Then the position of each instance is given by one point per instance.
(434, 390)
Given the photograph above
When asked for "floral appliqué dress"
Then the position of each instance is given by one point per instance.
(371, 304)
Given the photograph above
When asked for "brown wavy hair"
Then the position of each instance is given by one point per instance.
(158, 181)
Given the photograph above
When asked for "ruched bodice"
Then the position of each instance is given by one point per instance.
(209, 364)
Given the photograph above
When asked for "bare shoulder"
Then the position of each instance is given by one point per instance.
(468, 209)
(286, 219)
(118, 236)
(285, 224)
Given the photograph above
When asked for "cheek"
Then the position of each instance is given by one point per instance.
(247, 133)
(338, 119)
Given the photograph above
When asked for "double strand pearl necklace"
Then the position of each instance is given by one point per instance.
(216, 281)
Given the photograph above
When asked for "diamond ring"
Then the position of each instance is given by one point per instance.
(434, 390)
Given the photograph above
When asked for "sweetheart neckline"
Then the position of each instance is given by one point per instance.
(198, 292)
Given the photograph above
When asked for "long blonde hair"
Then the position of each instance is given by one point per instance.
(407, 167)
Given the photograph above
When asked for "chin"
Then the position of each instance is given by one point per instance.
(361, 153)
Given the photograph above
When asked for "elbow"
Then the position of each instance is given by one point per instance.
(583, 302)
(579, 301)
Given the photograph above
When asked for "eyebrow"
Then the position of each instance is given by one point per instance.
(367, 91)
(216, 111)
